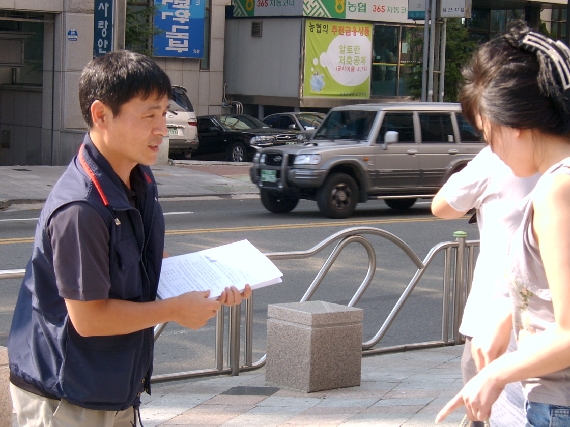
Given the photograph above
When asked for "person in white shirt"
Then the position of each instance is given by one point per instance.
(489, 186)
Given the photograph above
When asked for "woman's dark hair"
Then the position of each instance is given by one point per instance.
(518, 83)
(116, 78)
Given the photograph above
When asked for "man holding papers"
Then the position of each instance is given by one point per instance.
(81, 342)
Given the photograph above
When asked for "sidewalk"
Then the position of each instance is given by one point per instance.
(400, 389)
(184, 178)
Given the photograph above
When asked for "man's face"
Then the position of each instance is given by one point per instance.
(133, 136)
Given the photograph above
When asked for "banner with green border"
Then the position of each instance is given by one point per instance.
(338, 58)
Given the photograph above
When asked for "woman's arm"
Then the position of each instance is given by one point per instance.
(547, 352)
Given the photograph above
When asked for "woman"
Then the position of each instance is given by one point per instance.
(489, 186)
(517, 93)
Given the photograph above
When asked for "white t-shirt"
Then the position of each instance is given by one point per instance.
(489, 186)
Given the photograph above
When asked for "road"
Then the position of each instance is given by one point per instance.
(194, 224)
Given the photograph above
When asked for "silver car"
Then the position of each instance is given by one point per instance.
(397, 152)
(182, 124)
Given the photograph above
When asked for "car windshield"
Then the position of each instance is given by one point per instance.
(347, 124)
(241, 122)
(181, 99)
(310, 120)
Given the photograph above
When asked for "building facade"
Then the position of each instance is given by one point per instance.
(263, 55)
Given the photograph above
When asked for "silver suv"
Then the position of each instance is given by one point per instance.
(398, 152)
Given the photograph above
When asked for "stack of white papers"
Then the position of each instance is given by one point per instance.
(237, 264)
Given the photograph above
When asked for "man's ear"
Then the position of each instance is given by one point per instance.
(99, 114)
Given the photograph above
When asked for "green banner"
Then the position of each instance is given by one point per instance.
(337, 59)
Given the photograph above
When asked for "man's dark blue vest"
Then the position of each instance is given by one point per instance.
(45, 351)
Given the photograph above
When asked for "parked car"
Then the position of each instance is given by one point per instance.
(398, 152)
(307, 122)
(182, 124)
(238, 136)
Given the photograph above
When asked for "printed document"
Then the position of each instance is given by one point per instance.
(237, 264)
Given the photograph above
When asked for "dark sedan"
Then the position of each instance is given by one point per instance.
(237, 136)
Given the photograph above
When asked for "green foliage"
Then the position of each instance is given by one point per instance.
(139, 28)
(458, 51)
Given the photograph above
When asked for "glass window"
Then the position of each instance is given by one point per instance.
(204, 125)
(271, 121)
(403, 123)
(436, 127)
(385, 60)
(205, 61)
(350, 124)
(466, 131)
(285, 122)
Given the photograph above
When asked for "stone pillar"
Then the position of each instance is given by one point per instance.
(314, 345)
(162, 158)
(5, 400)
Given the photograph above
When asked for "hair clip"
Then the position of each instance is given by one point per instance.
(557, 51)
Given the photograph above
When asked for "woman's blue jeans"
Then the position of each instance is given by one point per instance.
(545, 415)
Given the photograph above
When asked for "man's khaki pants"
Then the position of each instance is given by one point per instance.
(37, 411)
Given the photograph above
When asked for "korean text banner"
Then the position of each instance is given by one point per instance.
(337, 59)
(362, 10)
(181, 26)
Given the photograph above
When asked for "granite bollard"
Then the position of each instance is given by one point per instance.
(314, 345)
(5, 399)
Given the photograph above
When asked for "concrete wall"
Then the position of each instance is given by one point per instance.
(278, 51)
(53, 132)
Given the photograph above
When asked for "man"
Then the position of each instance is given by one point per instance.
(81, 342)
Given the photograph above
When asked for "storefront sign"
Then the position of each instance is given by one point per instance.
(362, 10)
(417, 9)
(337, 59)
(181, 25)
(103, 28)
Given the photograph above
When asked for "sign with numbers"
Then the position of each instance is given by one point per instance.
(338, 59)
(181, 25)
(103, 28)
(362, 10)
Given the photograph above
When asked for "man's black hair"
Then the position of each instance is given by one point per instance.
(116, 78)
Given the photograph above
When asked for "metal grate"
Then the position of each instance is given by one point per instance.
(256, 27)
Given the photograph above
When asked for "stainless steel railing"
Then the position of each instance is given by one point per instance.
(459, 262)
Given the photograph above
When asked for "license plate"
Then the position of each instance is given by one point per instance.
(268, 175)
(175, 131)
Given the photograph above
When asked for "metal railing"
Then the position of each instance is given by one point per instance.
(459, 262)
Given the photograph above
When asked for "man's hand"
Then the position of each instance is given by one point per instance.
(478, 396)
(232, 296)
(195, 309)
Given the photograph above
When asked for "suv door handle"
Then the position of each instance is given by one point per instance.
(412, 152)
(453, 151)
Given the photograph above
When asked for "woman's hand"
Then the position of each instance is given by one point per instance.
(478, 396)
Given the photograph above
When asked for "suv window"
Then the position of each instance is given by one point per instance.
(436, 127)
(349, 124)
(181, 99)
(467, 132)
(403, 123)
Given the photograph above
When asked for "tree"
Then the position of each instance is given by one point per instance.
(139, 28)
(458, 51)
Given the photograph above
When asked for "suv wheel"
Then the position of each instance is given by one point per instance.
(237, 152)
(338, 197)
(400, 204)
(277, 203)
